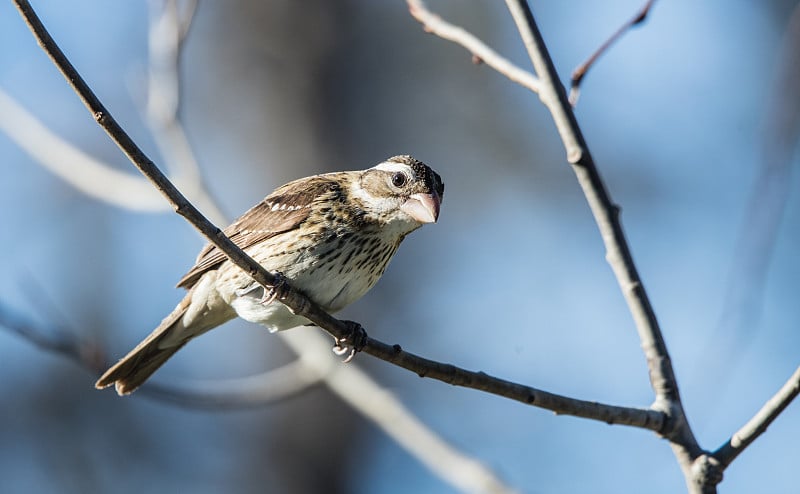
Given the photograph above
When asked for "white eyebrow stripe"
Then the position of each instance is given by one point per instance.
(392, 166)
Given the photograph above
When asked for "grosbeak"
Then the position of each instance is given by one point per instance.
(330, 236)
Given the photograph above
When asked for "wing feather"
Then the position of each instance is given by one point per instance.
(282, 211)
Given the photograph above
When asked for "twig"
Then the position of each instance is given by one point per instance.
(481, 52)
(301, 305)
(580, 72)
(618, 255)
(760, 421)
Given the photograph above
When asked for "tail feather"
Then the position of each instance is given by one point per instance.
(141, 362)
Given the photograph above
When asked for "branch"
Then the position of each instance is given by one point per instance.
(699, 474)
(300, 304)
(480, 52)
(580, 72)
(605, 212)
(760, 421)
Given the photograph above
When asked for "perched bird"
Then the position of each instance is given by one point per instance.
(330, 236)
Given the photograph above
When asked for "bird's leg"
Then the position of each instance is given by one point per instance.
(275, 291)
(352, 343)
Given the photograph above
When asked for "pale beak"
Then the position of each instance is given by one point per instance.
(424, 208)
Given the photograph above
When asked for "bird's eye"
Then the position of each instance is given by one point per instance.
(399, 179)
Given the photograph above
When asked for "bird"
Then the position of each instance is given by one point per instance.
(330, 236)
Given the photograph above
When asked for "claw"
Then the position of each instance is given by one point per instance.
(274, 291)
(352, 343)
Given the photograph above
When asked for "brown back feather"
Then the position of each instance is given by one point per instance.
(280, 212)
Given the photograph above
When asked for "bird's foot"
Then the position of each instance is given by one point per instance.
(275, 291)
(352, 343)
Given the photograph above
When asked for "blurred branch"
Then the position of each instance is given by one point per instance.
(480, 52)
(301, 305)
(763, 214)
(168, 27)
(315, 364)
(360, 391)
(54, 339)
(72, 165)
(759, 423)
(100, 181)
(261, 389)
(580, 72)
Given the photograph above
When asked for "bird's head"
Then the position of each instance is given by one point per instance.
(402, 192)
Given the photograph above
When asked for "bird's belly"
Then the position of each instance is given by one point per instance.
(274, 315)
(332, 275)
(336, 281)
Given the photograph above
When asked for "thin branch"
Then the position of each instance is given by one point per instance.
(580, 72)
(618, 255)
(606, 213)
(760, 421)
(301, 305)
(480, 51)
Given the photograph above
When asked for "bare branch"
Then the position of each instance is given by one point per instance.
(301, 305)
(760, 421)
(580, 72)
(480, 52)
(618, 255)
(606, 213)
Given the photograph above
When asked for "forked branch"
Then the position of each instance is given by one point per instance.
(580, 72)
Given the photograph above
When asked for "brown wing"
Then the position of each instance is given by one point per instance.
(282, 211)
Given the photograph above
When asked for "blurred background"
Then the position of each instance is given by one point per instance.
(683, 117)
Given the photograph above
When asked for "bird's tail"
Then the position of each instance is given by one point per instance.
(141, 362)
